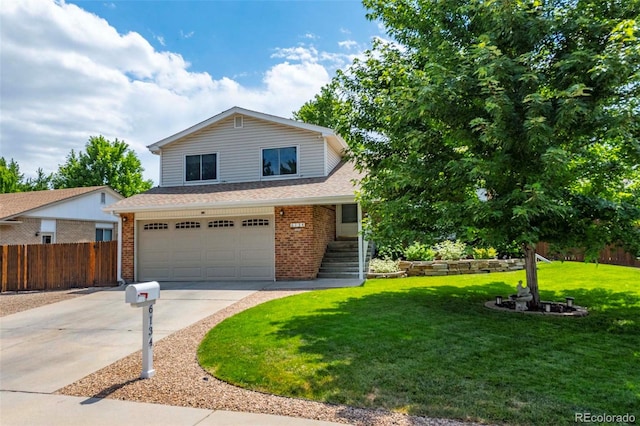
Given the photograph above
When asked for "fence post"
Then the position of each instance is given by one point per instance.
(5, 267)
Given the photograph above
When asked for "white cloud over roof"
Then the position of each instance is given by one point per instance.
(68, 74)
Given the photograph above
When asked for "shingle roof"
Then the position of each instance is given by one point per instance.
(338, 186)
(18, 203)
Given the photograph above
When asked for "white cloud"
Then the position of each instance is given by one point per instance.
(348, 44)
(68, 75)
(186, 35)
(160, 40)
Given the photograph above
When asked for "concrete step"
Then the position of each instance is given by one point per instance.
(337, 275)
(336, 268)
(342, 245)
(329, 262)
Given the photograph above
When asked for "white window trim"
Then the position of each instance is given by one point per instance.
(278, 177)
(186, 182)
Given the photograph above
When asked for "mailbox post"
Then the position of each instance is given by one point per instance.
(144, 295)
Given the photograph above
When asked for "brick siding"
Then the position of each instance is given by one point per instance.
(67, 231)
(299, 251)
(128, 236)
(21, 233)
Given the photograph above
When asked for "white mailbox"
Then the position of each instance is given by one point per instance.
(142, 294)
(145, 295)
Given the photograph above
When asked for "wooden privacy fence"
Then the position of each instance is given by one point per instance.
(58, 266)
(610, 255)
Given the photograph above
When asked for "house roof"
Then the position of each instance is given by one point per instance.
(331, 136)
(340, 186)
(19, 203)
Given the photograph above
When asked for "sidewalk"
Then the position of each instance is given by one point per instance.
(34, 409)
(46, 348)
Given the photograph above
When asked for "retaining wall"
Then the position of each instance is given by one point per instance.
(456, 267)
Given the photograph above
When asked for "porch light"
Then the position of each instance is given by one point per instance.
(498, 300)
(570, 302)
(281, 212)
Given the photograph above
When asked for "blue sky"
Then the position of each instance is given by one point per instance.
(238, 39)
(143, 70)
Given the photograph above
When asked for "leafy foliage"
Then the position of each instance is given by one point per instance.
(12, 180)
(383, 265)
(512, 121)
(419, 251)
(104, 163)
(484, 253)
(10, 176)
(451, 250)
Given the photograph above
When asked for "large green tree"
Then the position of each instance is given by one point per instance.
(12, 180)
(508, 121)
(10, 176)
(104, 163)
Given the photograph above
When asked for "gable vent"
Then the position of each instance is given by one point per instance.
(238, 122)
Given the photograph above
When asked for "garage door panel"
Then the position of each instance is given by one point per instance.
(220, 257)
(254, 272)
(189, 257)
(214, 249)
(221, 272)
(256, 257)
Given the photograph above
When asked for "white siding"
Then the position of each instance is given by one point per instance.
(333, 158)
(86, 207)
(239, 150)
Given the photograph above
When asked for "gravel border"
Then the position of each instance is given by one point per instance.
(12, 302)
(180, 381)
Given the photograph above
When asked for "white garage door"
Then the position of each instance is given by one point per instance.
(238, 248)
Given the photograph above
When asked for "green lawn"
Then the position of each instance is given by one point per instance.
(427, 346)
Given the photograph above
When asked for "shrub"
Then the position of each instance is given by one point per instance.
(389, 251)
(418, 251)
(451, 250)
(484, 253)
(383, 266)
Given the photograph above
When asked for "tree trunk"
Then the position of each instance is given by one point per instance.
(532, 274)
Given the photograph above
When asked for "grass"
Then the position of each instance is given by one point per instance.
(427, 346)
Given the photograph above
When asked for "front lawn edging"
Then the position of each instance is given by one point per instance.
(457, 267)
(398, 274)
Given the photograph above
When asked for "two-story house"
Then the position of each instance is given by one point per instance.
(242, 196)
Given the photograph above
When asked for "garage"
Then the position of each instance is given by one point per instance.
(206, 249)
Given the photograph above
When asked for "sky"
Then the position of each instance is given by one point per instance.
(141, 70)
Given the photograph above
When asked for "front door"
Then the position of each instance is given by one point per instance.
(347, 220)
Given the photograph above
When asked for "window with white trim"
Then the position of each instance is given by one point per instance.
(187, 225)
(255, 222)
(280, 161)
(155, 226)
(103, 234)
(221, 224)
(201, 167)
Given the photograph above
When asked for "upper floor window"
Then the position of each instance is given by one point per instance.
(201, 167)
(280, 161)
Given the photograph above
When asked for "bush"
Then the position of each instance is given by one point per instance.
(484, 253)
(389, 251)
(450, 250)
(417, 251)
(383, 266)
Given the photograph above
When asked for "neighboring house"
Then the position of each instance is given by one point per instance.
(242, 196)
(58, 216)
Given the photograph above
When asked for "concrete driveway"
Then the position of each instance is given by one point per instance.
(49, 347)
